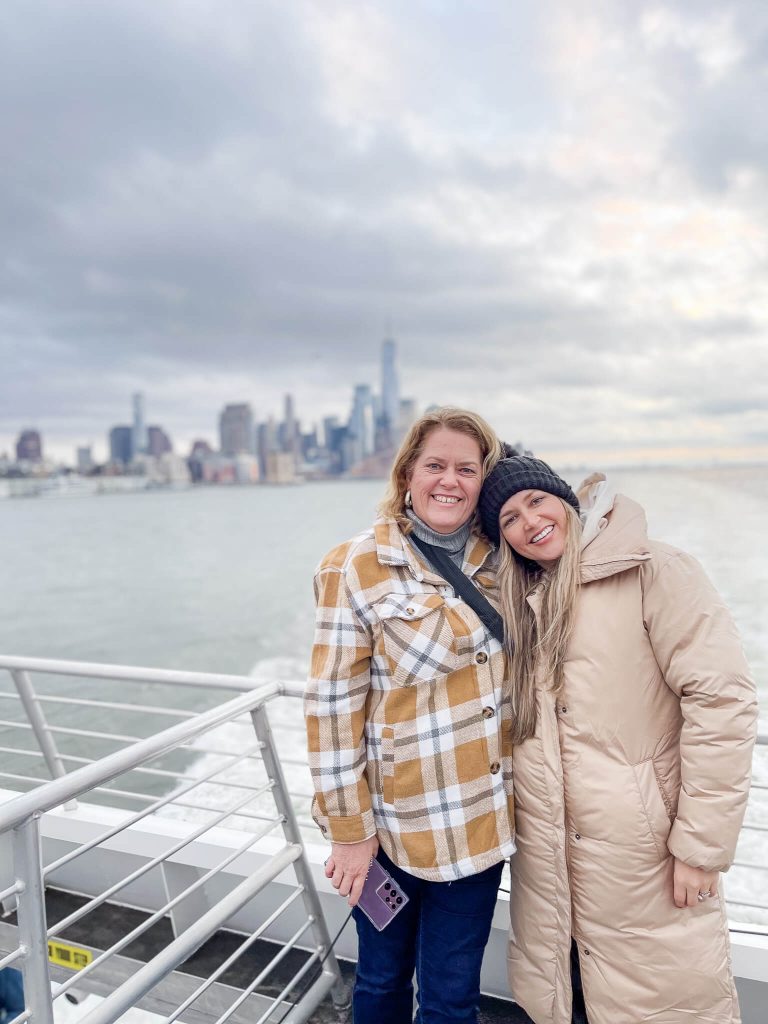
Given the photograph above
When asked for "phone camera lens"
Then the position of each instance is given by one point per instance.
(387, 886)
(399, 900)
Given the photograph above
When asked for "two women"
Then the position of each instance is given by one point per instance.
(409, 731)
(634, 718)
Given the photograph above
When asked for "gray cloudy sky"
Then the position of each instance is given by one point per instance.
(560, 204)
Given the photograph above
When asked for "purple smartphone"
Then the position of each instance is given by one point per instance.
(381, 898)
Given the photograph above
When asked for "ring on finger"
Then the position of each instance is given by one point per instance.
(701, 896)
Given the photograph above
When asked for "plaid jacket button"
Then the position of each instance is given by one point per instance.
(495, 767)
(481, 657)
(409, 611)
(488, 712)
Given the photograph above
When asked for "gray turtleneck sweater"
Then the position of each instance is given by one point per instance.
(454, 543)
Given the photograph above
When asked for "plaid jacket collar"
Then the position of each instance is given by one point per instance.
(392, 548)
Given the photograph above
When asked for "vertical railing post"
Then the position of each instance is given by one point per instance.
(339, 992)
(40, 726)
(33, 929)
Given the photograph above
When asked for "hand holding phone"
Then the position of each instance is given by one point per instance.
(348, 865)
(382, 898)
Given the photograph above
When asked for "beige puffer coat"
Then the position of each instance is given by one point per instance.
(655, 678)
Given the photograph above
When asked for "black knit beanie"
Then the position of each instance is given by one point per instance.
(518, 473)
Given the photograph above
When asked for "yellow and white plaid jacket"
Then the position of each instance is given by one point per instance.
(408, 717)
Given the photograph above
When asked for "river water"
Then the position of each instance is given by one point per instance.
(220, 579)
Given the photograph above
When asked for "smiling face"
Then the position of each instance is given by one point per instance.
(534, 524)
(445, 480)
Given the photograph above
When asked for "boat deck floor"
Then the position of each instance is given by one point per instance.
(105, 925)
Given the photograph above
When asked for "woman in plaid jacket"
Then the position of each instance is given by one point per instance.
(408, 728)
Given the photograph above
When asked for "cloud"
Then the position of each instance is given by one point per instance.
(560, 207)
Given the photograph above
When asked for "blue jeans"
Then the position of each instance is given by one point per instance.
(441, 935)
(11, 993)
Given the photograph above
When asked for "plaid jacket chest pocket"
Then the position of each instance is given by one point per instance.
(415, 638)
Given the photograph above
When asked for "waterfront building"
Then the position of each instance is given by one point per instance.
(168, 470)
(281, 468)
(408, 413)
(199, 454)
(139, 424)
(84, 459)
(29, 446)
(236, 435)
(290, 438)
(246, 469)
(362, 423)
(266, 442)
(121, 445)
(158, 442)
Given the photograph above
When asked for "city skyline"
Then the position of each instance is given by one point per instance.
(373, 426)
(562, 207)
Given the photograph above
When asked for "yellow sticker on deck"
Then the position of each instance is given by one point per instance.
(64, 955)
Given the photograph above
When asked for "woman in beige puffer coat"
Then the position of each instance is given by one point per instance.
(631, 786)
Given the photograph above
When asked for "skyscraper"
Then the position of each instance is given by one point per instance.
(236, 429)
(158, 442)
(289, 429)
(390, 387)
(361, 423)
(139, 424)
(29, 446)
(121, 444)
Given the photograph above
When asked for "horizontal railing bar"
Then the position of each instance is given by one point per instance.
(751, 906)
(11, 958)
(129, 673)
(754, 828)
(20, 1018)
(129, 794)
(169, 958)
(162, 772)
(752, 867)
(92, 702)
(162, 911)
(97, 901)
(262, 975)
(233, 957)
(12, 890)
(23, 778)
(59, 791)
(136, 817)
(304, 969)
(292, 688)
(114, 737)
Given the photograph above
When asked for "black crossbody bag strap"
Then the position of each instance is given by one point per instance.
(463, 586)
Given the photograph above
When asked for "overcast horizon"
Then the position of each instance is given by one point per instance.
(560, 207)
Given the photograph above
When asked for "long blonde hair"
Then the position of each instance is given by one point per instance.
(450, 418)
(538, 649)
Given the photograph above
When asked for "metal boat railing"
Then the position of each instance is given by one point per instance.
(186, 770)
(258, 797)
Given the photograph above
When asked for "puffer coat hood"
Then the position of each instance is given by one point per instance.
(644, 756)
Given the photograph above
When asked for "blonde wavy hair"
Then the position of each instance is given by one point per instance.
(449, 418)
(538, 650)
